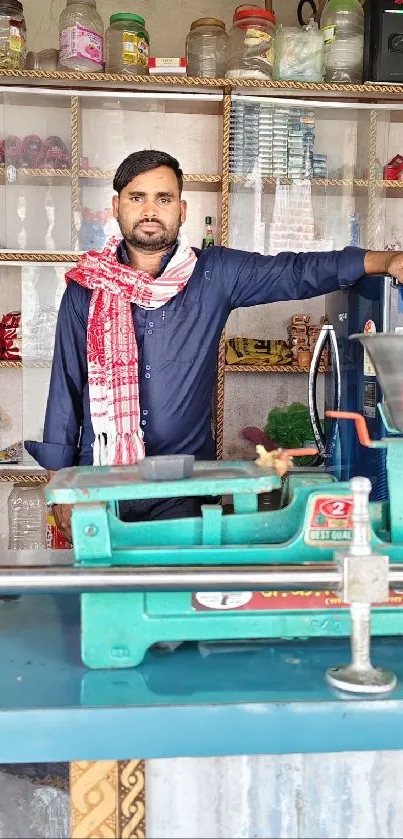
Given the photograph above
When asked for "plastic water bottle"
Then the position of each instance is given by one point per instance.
(27, 517)
(342, 24)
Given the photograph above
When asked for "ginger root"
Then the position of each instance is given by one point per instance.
(278, 460)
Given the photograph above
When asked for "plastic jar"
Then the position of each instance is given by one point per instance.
(81, 37)
(127, 44)
(251, 44)
(27, 512)
(206, 48)
(342, 24)
(12, 35)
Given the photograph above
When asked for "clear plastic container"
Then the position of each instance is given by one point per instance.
(12, 35)
(43, 60)
(206, 48)
(127, 44)
(251, 44)
(342, 24)
(27, 511)
(81, 37)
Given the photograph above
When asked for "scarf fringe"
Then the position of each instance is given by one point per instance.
(123, 449)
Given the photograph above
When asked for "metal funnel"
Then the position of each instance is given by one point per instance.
(386, 353)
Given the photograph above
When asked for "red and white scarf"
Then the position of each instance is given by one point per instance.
(112, 353)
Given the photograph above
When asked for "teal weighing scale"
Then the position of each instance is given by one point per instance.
(312, 568)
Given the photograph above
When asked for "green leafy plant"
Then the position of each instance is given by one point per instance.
(290, 427)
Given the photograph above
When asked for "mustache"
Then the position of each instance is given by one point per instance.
(149, 221)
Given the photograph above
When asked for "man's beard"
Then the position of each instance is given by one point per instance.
(150, 242)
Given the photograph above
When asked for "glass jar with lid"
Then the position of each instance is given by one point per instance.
(206, 48)
(12, 35)
(81, 37)
(251, 44)
(127, 44)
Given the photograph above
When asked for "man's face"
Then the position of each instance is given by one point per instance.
(149, 210)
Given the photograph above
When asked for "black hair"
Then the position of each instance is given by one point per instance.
(143, 161)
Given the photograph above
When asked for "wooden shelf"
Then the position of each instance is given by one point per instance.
(114, 81)
(269, 368)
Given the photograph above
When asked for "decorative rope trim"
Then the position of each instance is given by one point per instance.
(75, 135)
(346, 90)
(26, 364)
(22, 478)
(270, 368)
(225, 164)
(372, 197)
(109, 174)
(11, 364)
(16, 256)
(325, 182)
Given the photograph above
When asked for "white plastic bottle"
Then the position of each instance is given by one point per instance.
(27, 518)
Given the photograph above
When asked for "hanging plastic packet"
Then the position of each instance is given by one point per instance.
(299, 54)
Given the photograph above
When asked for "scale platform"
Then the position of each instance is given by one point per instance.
(188, 702)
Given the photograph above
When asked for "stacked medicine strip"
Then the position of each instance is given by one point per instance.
(274, 141)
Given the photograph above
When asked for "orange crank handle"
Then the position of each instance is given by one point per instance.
(299, 452)
(360, 424)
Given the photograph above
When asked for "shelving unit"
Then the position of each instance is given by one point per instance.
(78, 93)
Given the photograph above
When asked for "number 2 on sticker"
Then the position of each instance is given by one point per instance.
(339, 508)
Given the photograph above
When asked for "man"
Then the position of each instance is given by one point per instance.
(139, 327)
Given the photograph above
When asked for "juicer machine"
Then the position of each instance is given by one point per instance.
(326, 563)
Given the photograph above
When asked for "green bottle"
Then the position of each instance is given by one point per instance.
(208, 241)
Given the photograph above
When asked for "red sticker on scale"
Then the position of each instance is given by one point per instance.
(328, 525)
(276, 601)
(329, 521)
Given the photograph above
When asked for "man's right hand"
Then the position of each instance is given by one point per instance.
(62, 516)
